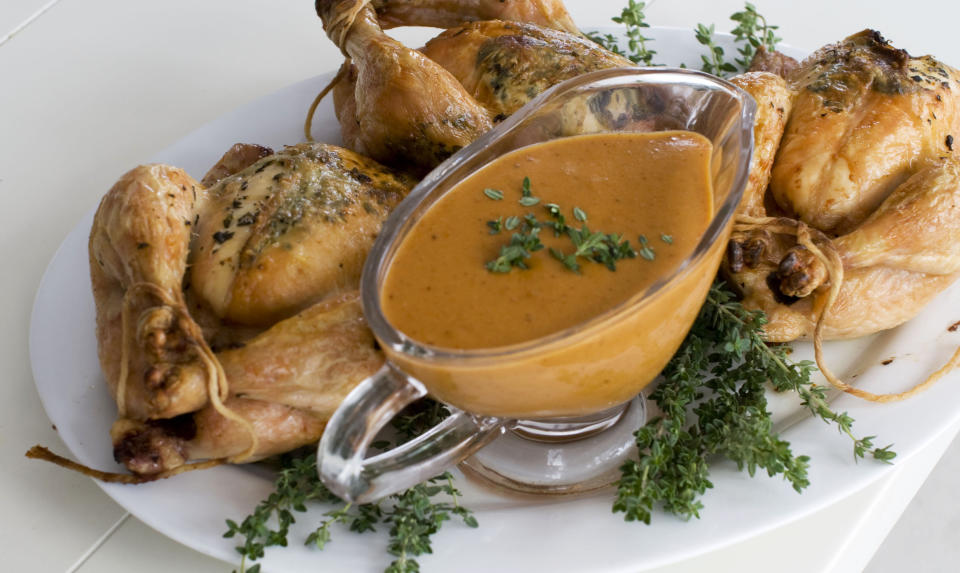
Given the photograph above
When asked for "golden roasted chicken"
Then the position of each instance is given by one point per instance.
(228, 319)
(865, 163)
(414, 108)
(851, 220)
(187, 279)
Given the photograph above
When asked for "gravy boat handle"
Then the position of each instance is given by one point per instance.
(341, 455)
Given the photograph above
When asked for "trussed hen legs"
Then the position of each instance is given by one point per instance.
(409, 111)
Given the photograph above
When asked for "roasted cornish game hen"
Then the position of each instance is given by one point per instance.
(414, 108)
(187, 354)
(866, 165)
(229, 325)
(850, 223)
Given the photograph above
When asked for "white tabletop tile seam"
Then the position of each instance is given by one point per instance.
(32, 18)
(96, 545)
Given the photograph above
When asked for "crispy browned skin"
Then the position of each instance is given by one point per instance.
(503, 65)
(451, 13)
(409, 112)
(289, 230)
(866, 117)
(773, 62)
(237, 158)
(138, 256)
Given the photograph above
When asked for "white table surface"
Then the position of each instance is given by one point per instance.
(89, 88)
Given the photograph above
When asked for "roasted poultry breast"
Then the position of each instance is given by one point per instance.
(229, 325)
(855, 148)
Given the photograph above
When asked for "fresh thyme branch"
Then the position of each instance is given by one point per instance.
(718, 379)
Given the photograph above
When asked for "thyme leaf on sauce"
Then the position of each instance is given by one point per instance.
(596, 246)
(494, 194)
(646, 251)
(517, 251)
(525, 190)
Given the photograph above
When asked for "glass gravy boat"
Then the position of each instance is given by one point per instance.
(520, 397)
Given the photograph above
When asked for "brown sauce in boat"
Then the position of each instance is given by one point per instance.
(438, 291)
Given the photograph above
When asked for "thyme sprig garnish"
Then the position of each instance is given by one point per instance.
(595, 246)
(413, 515)
(713, 403)
(517, 251)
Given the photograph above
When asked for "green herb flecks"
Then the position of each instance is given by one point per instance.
(713, 401)
(595, 246)
(495, 226)
(646, 251)
(668, 239)
(517, 251)
(559, 223)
